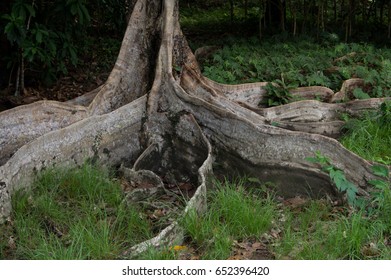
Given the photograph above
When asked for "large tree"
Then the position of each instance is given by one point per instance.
(157, 112)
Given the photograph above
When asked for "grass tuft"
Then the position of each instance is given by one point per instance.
(75, 214)
(234, 214)
(370, 136)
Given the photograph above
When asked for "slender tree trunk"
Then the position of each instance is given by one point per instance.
(22, 69)
(381, 8)
(389, 20)
(318, 19)
(350, 18)
(275, 11)
(262, 17)
(294, 14)
(282, 8)
(306, 10)
(20, 78)
(324, 10)
(269, 12)
(231, 10)
(342, 10)
(18, 75)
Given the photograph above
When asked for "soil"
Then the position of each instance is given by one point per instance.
(160, 207)
(66, 88)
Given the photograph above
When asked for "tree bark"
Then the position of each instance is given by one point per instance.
(157, 112)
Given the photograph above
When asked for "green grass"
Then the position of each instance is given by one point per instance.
(74, 214)
(314, 234)
(315, 231)
(319, 231)
(80, 214)
(233, 214)
(370, 136)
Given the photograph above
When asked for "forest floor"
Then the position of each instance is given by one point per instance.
(92, 70)
(75, 84)
(65, 88)
(91, 213)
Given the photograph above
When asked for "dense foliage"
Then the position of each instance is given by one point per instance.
(42, 39)
(302, 62)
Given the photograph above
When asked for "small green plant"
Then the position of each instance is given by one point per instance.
(360, 94)
(277, 93)
(382, 194)
(384, 114)
(337, 176)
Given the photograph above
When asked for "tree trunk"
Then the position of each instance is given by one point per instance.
(389, 21)
(152, 116)
(262, 17)
(306, 12)
(245, 9)
(275, 11)
(231, 11)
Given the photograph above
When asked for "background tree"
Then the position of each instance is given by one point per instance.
(46, 38)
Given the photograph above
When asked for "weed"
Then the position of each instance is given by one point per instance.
(277, 94)
(338, 177)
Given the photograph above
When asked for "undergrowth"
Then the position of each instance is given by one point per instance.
(72, 214)
(320, 231)
(233, 214)
(313, 229)
(370, 135)
(80, 214)
(302, 62)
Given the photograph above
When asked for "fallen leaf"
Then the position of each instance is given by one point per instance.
(295, 202)
(370, 250)
(185, 186)
(178, 248)
(11, 243)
